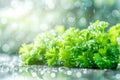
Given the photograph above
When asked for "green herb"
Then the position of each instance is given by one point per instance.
(114, 33)
(87, 48)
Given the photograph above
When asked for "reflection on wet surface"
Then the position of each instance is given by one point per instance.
(11, 69)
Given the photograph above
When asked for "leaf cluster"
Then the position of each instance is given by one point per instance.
(87, 48)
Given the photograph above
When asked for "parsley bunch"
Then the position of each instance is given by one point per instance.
(87, 48)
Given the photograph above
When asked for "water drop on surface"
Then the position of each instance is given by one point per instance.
(42, 72)
(53, 75)
(78, 74)
(60, 69)
(85, 71)
(69, 72)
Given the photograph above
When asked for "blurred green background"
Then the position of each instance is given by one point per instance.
(22, 20)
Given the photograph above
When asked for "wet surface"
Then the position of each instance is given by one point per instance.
(11, 69)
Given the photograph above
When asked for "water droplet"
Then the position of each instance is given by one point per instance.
(61, 69)
(69, 72)
(78, 74)
(85, 71)
(43, 71)
(53, 75)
